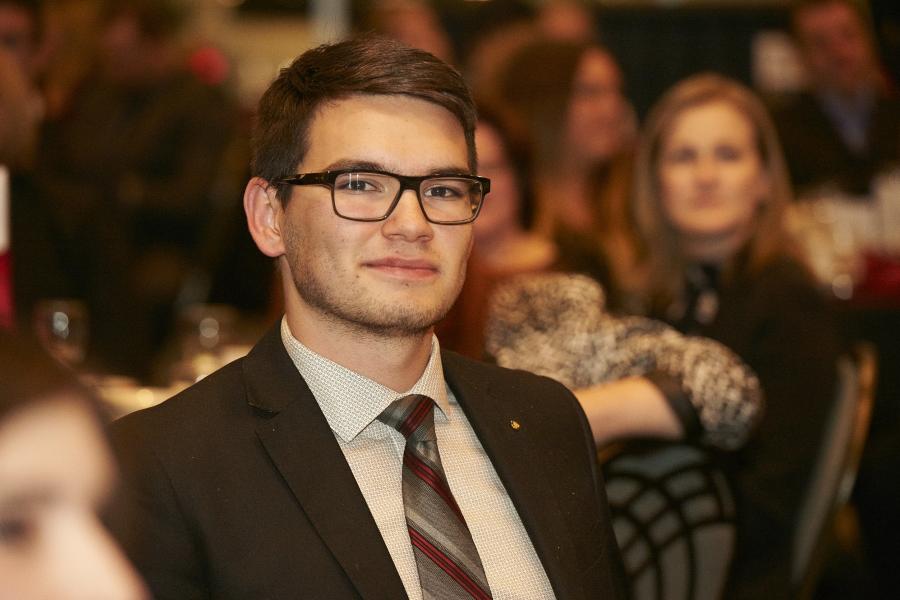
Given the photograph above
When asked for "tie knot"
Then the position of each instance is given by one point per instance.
(409, 414)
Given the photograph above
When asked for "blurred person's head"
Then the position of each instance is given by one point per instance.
(568, 114)
(19, 113)
(138, 39)
(56, 475)
(502, 213)
(19, 30)
(358, 67)
(412, 22)
(837, 44)
(710, 180)
(567, 20)
(566, 97)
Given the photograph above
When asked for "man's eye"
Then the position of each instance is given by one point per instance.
(356, 183)
(445, 191)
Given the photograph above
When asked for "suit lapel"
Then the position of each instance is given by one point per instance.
(522, 472)
(302, 447)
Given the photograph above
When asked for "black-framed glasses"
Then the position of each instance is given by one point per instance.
(370, 195)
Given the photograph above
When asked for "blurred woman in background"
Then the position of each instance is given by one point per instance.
(710, 188)
(566, 109)
(56, 474)
(634, 377)
(503, 247)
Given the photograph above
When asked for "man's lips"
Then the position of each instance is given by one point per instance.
(403, 267)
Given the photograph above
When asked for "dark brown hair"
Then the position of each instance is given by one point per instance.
(28, 375)
(362, 65)
(537, 86)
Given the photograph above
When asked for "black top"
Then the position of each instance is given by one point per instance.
(780, 324)
(817, 155)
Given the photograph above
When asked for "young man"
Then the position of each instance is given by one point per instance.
(846, 128)
(311, 468)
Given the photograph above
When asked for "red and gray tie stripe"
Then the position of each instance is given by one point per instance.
(447, 559)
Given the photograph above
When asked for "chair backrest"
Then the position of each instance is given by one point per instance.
(673, 516)
(834, 474)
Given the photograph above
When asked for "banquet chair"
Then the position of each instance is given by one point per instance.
(673, 517)
(834, 474)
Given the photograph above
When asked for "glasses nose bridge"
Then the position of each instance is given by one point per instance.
(408, 182)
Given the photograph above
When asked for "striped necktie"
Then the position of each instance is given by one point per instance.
(446, 557)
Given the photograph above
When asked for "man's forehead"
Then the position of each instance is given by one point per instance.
(387, 132)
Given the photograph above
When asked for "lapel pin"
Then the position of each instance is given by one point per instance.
(515, 425)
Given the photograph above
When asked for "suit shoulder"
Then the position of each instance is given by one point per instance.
(517, 391)
(200, 404)
(512, 379)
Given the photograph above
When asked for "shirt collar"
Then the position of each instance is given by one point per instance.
(350, 401)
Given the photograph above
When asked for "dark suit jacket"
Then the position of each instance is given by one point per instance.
(236, 488)
(817, 155)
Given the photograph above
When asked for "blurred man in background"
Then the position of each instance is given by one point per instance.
(846, 128)
(131, 166)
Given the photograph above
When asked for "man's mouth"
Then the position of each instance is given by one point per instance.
(404, 267)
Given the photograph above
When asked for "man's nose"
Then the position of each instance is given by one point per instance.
(407, 219)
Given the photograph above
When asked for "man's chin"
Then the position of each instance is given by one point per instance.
(390, 328)
(388, 321)
(382, 311)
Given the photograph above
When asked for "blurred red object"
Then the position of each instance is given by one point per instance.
(6, 298)
(209, 65)
(882, 278)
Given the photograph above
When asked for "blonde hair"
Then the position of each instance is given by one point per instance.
(663, 262)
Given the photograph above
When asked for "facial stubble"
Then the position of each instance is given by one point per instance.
(355, 308)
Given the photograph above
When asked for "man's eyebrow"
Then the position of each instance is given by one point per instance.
(361, 165)
(364, 165)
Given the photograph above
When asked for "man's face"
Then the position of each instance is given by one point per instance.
(836, 47)
(393, 277)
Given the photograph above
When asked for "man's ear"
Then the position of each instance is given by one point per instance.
(264, 213)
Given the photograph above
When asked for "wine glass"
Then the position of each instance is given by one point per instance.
(61, 324)
(204, 332)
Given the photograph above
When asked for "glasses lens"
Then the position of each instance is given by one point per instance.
(364, 195)
(450, 199)
(369, 196)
